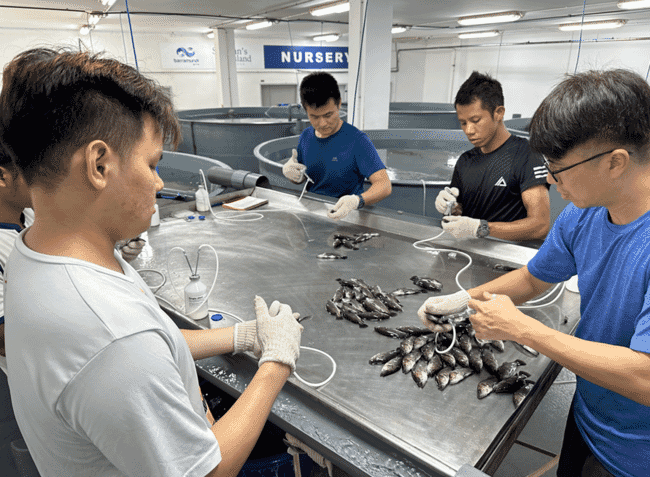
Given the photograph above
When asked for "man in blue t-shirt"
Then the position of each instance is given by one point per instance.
(335, 155)
(603, 167)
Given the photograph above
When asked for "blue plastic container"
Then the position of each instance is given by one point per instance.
(280, 465)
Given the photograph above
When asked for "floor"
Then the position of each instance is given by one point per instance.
(544, 431)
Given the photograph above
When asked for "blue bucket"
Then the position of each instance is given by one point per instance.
(280, 465)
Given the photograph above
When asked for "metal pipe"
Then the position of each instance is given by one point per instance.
(237, 179)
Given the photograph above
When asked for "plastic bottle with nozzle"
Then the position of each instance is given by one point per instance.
(155, 217)
(202, 199)
(196, 302)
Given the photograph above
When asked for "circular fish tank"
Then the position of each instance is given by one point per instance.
(419, 163)
(230, 135)
(518, 126)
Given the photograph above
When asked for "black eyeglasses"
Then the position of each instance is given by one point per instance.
(553, 173)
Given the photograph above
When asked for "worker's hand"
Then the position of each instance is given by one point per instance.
(447, 196)
(343, 207)
(293, 170)
(245, 338)
(443, 305)
(130, 249)
(279, 335)
(497, 318)
(464, 227)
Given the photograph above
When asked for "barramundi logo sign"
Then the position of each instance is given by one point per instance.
(183, 56)
(306, 57)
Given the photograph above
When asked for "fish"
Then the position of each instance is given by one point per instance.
(407, 344)
(331, 256)
(336, 243)
(429, 351)
(391, 302)
(504, 268)
(460, 356)
(373, 315)
(511, 384)
(409, 360)
(526, 349)
(338, 295)
(475, 360)
(349, 244)
(457, 375)
(497, 345)
(427, 283)
(465, 343)
(420, 373)
(390, 332)
(442, 377)
(303, 318)
(486, 387)
(509, 368)
(346, 282)
(414, 330)
(520, 394)
(333, 309)
(434, 365)
(449, 359)
(391, 366)
(352, 304)
(421, 340)
(342, 236)
(489, 361)
(406, 291)
(385, 356)
(373, 304)
(354, 318)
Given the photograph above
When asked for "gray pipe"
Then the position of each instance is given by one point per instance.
(237, 179)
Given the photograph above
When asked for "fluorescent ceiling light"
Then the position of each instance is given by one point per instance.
(490, 18)
(337, 7)
(332, 37)
(258, 25)
(84, 30)
(479, 34)
(592, 25)
(210, 34)
(398, 29)
(631, 4)
(108, 3)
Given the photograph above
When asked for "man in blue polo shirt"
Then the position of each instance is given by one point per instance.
(335, 155)
(594, 130)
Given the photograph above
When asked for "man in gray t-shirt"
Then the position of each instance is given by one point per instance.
(102, 382)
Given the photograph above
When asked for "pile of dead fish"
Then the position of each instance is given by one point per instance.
(348, 241)
(428, 355)
(356, 301)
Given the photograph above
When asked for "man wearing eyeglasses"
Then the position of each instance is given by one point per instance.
(594, 130)
(498, 188)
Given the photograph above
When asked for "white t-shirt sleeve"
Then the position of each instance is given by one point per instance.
(130, 403)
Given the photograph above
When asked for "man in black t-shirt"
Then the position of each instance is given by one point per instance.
(498, 188)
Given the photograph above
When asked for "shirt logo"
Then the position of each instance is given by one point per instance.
(334, 159)
(540, 172)
(501, 183)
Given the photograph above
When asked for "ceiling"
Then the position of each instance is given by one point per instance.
(427, 19)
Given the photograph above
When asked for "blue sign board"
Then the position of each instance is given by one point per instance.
(306, 57)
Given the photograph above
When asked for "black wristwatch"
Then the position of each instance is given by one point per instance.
(483, 229)
(361, 202)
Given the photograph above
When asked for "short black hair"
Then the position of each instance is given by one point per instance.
(480, 87)
(54, 102)
(609, 105)
(316, 89)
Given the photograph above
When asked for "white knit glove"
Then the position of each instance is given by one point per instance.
(445, 197)
(279, 335)
(443, 305)
(461, 227)
(246, 339)
(343, 207)
(293, 170)
(132, 248)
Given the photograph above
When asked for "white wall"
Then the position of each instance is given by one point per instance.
(527, 72)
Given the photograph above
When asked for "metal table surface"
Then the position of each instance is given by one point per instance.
(364, 423)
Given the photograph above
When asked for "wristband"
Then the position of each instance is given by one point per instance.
(361, 202)
(483, 229)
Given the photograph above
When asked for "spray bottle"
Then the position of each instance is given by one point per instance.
(196, 293)
(202, 199)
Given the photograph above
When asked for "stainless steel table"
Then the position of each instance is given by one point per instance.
(364, 423)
